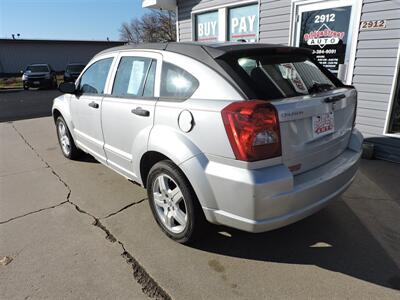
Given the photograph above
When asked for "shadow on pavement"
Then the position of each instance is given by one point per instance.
(333, 239)
(87, 158)
(19, 104)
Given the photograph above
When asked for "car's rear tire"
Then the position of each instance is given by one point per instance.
(67, 144)
(54, 83)
(174, 203)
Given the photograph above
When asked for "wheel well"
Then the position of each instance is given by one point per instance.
(148, 160)
(56, 114)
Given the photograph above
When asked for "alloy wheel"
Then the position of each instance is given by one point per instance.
(170, 204)
(64, 138)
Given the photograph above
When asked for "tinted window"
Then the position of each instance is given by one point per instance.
(38, 69)
(280, 76)
(94, 79)
(176, 82)
(131, 77)
(75, 68)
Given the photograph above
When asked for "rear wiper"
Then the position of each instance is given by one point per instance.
(320, 87)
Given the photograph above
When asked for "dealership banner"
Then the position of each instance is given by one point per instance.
(326, 31)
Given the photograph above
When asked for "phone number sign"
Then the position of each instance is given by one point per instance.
(325, 32)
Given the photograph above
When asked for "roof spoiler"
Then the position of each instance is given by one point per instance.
(253, 49)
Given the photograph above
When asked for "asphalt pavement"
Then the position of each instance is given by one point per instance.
(19, 104)
(78, 230)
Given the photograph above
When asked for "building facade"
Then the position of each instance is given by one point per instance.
(15, 55)
(357, 40)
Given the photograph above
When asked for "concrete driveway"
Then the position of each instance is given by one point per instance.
(75, 229)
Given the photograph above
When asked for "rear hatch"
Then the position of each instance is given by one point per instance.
(316, 111)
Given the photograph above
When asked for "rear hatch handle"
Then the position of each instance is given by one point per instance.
(334, 98)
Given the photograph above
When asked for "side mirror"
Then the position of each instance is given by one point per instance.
(67, 88)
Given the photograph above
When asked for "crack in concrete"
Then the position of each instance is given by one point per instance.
(33, 212)
(149, 286)
(122, 209)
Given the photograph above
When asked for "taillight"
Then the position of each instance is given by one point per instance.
(253, 130)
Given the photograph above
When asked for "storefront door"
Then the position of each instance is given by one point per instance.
(326, 27)
(394, 115)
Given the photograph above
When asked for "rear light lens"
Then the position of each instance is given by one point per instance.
(253, 130)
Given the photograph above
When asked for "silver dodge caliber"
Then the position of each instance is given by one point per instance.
(252, 136)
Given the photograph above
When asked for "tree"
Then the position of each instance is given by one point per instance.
(155, 26)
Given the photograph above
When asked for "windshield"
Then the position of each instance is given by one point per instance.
(75, 68)
(37, 69)
(280, 76)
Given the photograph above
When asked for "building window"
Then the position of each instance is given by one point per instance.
(207, 27)
(243, 23)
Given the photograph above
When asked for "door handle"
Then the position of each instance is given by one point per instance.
(334, 98)
(140, 112)
(94, 104)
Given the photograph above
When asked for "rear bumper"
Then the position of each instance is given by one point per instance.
(264, 199)
(39, 82)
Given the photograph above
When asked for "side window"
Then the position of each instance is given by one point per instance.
(94, 79)
(150, 81)
(130, 80)
(177, 83)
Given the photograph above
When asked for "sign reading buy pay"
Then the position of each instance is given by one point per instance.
(243, 23)
(207, 27)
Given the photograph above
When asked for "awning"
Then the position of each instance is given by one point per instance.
(160, 4)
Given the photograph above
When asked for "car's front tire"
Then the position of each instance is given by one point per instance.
(65, 140)
(174, 203)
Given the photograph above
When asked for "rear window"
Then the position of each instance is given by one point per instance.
(37, 69)
(280, 76)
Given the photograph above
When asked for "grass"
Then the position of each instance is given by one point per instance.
(11, 83)
(16, 82)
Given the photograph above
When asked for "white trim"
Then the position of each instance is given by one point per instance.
(354, 22)
(259, 21)
(222, 24)
(222, 15)
(395, 84)
(238, 3)
(177, 24)
(357, 6)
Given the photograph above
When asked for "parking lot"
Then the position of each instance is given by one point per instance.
(76, 229)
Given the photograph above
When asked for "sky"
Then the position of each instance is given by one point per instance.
(66, 19)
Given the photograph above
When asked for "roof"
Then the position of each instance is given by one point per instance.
(208, 54)
(196, 49)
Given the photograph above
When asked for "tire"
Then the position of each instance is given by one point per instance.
(67, 145)
(168, 209)
(26, 87)
(54, 83)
